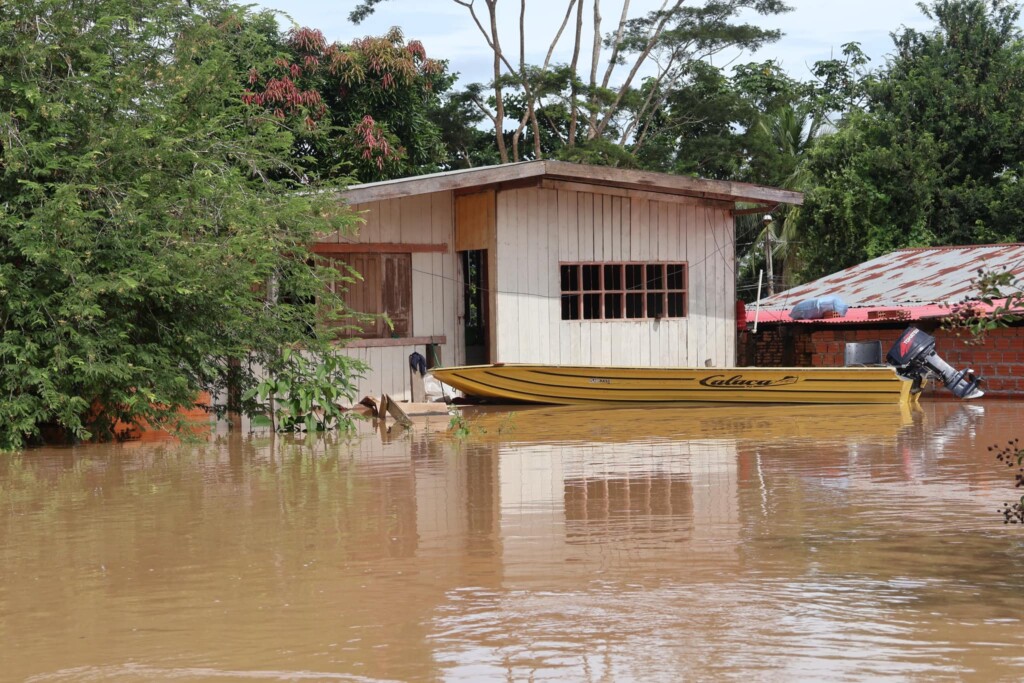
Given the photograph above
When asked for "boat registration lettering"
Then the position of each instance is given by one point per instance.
(600, 380)
(741, 382)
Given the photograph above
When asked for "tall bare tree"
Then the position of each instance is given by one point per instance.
(654, 50)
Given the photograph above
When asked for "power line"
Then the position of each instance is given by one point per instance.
(719, 248)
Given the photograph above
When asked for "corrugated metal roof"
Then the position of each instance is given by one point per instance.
(907, 277)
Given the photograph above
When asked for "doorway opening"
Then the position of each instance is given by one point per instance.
(475, 314)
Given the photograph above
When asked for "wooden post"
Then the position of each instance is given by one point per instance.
(234, 391)
(418, 393)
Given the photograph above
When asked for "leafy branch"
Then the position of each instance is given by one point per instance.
(305, 392)
(998, 303)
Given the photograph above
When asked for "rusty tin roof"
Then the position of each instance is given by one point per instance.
(917, 279)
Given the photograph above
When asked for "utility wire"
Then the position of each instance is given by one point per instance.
(719, 248)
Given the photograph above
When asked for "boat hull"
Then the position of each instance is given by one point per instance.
(571, 385)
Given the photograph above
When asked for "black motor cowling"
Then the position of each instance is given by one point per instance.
(913, 355)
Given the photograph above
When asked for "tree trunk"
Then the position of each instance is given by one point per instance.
(619, 31)
(573, 91)
(595, 57)
(601, 125)
(522, 78)
(596, 54)
(499, 107)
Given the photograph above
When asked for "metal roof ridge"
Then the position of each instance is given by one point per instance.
(955, 247)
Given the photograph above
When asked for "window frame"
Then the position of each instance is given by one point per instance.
(581, 300)
(383, 275)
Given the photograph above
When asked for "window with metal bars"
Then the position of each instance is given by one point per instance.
(623, 291)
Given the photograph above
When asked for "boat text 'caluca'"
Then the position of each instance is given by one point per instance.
(722, 381)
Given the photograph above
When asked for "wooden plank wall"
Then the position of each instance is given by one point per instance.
(538, 227)
(436, 296)
(474, 220)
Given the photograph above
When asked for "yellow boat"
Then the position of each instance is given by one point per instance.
(570, 385)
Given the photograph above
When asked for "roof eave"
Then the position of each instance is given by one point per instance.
(664, 183)
(720, 190)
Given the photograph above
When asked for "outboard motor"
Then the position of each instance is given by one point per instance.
(913, 355)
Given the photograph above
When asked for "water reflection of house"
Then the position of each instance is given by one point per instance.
(587, 504)
(514, 507)
(545, 262)
(490, 535)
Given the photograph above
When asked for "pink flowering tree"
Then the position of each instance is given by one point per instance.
(365, 109)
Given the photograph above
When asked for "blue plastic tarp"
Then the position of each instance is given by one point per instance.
(820, 307)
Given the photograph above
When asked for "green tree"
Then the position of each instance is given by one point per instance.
(711, 124)
(149, 214)
(755, 125)
(701, 128)
(467, 144)
(786, 136)
(368, 107)
(936, 157)
(633, 70)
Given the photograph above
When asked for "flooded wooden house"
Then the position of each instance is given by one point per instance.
(545, 262)
(920, 287)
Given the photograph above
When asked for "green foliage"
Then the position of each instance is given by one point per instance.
(1012, 455)
(702, 127)
(756, 125)
(459, 426)
(936, 156)
(508, 424)
(462, 428)
(146, 209)
(305, 393)
(1003, 296)
(366, 108)
(674, 43)
(459, 121)
(842, 84)
(599, 152)
(363, 10)
(687, 92)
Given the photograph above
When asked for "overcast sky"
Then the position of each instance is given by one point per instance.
(815, 29)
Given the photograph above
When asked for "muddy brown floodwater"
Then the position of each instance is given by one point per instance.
(747, 543)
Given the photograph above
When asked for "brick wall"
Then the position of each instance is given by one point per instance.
(999, 358)
(775, 346)
(763, 349)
